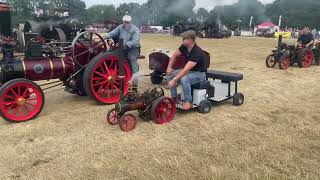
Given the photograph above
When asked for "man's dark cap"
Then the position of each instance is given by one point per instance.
(189, 35)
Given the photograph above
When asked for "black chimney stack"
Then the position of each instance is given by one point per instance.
(7, 42)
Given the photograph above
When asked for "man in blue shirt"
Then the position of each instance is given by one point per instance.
(306, 39)
(130, 34)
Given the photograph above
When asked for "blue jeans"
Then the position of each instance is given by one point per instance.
(193, 77)
(133, 55)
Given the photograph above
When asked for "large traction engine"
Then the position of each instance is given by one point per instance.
(86, 67)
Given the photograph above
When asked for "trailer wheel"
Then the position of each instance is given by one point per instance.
(238, 99)
(284, 62)
(205, 107)
(163, 110)
(305, 58)
(21, 100)
(128, 122)
(156, 77)
(101, 79)
(271, 61)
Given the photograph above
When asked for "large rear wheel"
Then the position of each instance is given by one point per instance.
(305, 58)
(21, 100)
(101, 79)
(284, 62)
(163, 110)
(128, 122)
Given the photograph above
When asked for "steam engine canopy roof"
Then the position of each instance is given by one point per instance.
(4, 7)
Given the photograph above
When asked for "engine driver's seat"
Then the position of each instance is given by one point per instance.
(202, 85)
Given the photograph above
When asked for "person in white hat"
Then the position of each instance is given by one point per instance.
(131, 37)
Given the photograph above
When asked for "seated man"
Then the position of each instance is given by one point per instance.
(194, 71)
(131, 37)
(306, 38)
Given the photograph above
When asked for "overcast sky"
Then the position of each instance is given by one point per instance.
(208, 4)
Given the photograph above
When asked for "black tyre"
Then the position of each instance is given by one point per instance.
(271, 61)
(306, 58)
(109, 91)
(113, 117)
(20, 100)
(238, 99)
(81, 89)
(205, 107)
(285, 62)
(156, 77)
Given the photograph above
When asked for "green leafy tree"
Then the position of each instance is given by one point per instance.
(168, 12)
(202, 14)
(101, 13)
(23, 10)
(295, 13)
(242, 10)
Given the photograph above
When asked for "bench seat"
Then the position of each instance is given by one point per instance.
(224, 76)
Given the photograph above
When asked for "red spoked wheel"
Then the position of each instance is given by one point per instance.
(306, 58)
(21, 100)
(113, 117)
(284, 62)
(102, 80)
(271, 61)
(128, 122)
(163, 110)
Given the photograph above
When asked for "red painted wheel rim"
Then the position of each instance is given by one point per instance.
(105, 81)
(128, 123)
(165, 111)
(21, 102)
(285, 63)
(113, 117)
(307, 59)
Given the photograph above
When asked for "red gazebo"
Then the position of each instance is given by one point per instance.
(266, 25)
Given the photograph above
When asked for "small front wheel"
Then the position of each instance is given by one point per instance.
(113, 117)
(271, 61)
(21, 100)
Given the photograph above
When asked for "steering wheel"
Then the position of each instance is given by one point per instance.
(91, 45)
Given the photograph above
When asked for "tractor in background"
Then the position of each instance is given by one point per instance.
(287, 55)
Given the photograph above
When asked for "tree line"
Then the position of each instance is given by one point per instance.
(295, 13)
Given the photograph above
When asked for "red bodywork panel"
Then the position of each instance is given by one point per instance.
(48, 68)
(158, 61)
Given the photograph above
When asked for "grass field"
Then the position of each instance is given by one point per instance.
(274, 135)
